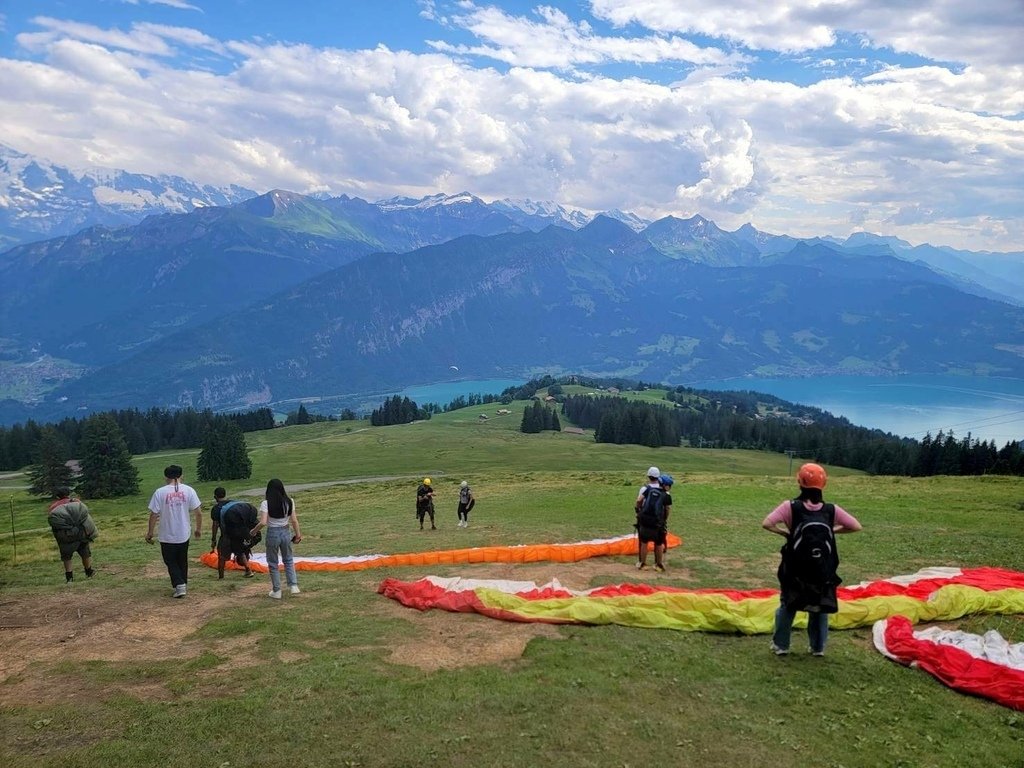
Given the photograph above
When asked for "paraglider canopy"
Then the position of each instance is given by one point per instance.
(454, 367)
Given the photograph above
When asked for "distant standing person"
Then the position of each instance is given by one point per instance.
(653, 506)
(74, 529)
(807, 573)
(425, 502)
(169, 508)
(466, 503)
(277, 513)
(233, 520)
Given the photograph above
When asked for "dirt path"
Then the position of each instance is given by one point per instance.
(296, 487)
(96, 625)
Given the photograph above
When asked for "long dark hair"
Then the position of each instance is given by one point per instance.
(278, 503)
(812, 495)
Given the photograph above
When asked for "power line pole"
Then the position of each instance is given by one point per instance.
(791, 452)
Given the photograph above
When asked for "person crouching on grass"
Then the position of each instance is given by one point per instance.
(233, 520)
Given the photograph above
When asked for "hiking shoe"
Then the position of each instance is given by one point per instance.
(817, 653)
(68, 577)
(274, 593)
(779, 651)
(295, 589)
(180, 590)
(640, 566)
(89, 572)
(249, 574)
(659, 568)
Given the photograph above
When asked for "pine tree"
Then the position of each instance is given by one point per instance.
(533, 419)
(225, 455)
(107, 468)
(50, 472)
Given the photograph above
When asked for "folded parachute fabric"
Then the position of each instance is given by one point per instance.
(981, 665)
(932, 594)
(522, 553)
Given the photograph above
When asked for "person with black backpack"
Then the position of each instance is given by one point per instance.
(653, 505)
(807, 573)
(232, 522)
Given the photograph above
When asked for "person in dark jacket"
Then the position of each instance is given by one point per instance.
(425, 502)
(74, 530)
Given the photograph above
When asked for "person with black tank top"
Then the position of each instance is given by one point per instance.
(818, 600)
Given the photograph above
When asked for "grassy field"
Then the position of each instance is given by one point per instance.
(111, 671)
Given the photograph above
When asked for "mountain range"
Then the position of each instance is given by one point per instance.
(40, 199)
(283, 296)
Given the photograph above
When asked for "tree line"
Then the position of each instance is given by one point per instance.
(105, 467)
(397, 410)
(732, 420)
(157, 429)
(539, 418)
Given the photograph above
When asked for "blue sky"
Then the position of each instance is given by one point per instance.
(808, 117)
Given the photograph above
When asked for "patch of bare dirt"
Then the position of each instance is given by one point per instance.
(94, 625)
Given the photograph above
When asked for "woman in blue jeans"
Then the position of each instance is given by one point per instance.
(277, 515)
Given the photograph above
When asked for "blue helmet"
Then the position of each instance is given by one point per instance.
(666, 480)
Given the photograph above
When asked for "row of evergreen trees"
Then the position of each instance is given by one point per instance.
(539, 418)
(397, 410)
(157, 429)
(730, 422)
(105, 467)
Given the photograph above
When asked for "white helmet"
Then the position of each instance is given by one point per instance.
(463, 484)
(654, 472)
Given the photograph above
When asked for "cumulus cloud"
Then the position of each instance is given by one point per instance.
(942, 30)
(925, 153)
(554, 40)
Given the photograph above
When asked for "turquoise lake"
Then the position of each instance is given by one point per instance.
(445, 392)
(987, 407)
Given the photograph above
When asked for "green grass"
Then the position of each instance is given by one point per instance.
(328, 679)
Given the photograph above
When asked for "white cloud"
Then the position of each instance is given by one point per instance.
(555, 41)
(921, 153)
(180, 4)
(941, 30)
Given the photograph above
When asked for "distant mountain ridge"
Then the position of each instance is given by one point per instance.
(601, 300)
(41, 200)
(78, 312)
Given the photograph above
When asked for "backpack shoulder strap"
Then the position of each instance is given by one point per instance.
(797, 512)
(224, 508)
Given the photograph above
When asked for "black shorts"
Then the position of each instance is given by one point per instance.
(656, 535)
(69, 548)
(227, 547)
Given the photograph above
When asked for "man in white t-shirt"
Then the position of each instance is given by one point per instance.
(169, 507)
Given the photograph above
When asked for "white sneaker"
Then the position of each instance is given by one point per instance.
(180, 590)
(779, 651)
(295, 589)
(274, 593)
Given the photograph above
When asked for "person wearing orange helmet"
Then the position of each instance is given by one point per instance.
(807, 573)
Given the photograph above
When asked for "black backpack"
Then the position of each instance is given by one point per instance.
(810, 559)
(652, 511)
(237, 519)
